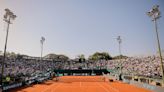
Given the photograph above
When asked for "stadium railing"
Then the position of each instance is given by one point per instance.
(153, 84)
(151, 81)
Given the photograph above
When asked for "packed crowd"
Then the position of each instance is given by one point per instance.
(25, 67)
(72, 64)
(142, 66)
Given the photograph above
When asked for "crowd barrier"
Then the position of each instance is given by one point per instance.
(81, 71)
(15, 85)
(147, 86)
(29, 81)
(150, 81)
(153, 84)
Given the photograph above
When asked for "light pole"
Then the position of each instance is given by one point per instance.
(154, 13)
(42, 42)
(7, 18)
(119, 42)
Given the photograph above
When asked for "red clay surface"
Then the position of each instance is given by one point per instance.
(81, 84)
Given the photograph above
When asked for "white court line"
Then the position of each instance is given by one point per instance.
(114, 89)
(103, 87)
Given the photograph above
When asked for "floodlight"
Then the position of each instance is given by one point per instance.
(154, 13)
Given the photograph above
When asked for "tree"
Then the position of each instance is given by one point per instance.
(55, 57)
(19, 56)
(13, 55)
(100, 56)
(81, 57)
(63, 57)
(120, 57)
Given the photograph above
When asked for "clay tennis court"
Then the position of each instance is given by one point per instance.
(81, 84)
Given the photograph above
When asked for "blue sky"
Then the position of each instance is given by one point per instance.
(74, 27)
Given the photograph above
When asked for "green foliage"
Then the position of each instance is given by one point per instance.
(57, 57)
(120, 57)
(81, 57)
(100, 56)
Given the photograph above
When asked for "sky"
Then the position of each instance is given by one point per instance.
(74, 27)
